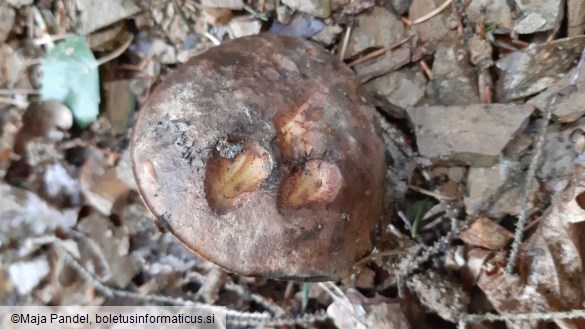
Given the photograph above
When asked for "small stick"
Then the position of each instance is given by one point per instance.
(51, 38)
(19, 91)
(579, 69)
(435, 195)
(432, 13)
(114, 54)
(522, 217)
(345, 42)
(20, 104)
(43, 27)
(426, 69)
(378, 52)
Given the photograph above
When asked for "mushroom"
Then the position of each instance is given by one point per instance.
(44, 120)
(262, 155)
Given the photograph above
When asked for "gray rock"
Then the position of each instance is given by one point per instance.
(96, 14)
(328, 35)
(454, 79)
(376, 28)
(528, 71)
(432, 31)
(244, 26)
(480, 52)
(490, 12)
(399, 6)
(569, 103)
(473, 134)
(319, 8)
(397, 91)
(484, 184)
(558, 154)
(537, 15)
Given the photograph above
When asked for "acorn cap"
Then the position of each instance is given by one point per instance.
(262, 156)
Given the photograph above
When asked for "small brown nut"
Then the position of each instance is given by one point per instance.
(48, 119)
(263, 156)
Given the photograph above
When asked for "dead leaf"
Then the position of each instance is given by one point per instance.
(485, 233)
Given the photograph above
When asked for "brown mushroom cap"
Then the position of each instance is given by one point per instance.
(262, 156)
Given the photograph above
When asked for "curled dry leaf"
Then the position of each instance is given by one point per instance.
(487, 234)
(550, 261)
(359, 312)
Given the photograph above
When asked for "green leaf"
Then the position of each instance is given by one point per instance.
(70, 75)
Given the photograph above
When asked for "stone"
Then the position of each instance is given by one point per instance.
(496, 12)
(569, 104)
(531, 70)
(537, 15)
(244, 26)
(400, 7)
(96, 14)
(472, 134)
(376, 28)
(319, 8)
(432, 31)
(328, 35)
(454, 79)
(398, 90)
(484, 184)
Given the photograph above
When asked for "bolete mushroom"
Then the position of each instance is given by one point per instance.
(263, 156)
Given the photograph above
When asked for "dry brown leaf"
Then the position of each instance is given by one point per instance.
(550, 262)
(487, 234)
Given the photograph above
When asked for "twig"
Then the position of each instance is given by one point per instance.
(233, 316)
(208, 35)
(432, 13)
(436, 248)
(378, 52)
(466, 318)
(379, 255)
(255, 14)
(339, 296)
(119, 51)
(20, 104)
(427, 70)
(579, 69)
(104, 265)
(435, 195)
(51, 38)
(42, 27)
(344, 43)
(529, 178)
(19, 91)
(212, 38)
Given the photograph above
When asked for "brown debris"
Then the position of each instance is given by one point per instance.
(485, 233)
